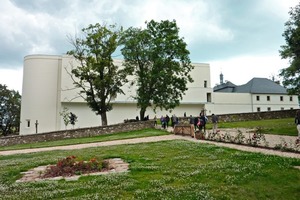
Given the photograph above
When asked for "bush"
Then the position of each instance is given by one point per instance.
(70, 166)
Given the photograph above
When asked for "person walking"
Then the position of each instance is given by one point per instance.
(215, 120)
(174, 120)
(297, 122)
(196, 119)
(167, 120)
(202, 123)
(163, 122)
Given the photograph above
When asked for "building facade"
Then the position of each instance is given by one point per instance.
(48, 89)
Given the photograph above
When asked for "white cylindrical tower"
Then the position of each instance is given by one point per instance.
(40, 94)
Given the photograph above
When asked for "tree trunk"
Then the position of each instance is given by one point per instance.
(142, 113)
(104, 119)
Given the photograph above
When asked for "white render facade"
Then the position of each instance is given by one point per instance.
(48, 88)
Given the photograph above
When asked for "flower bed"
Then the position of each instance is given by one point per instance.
(70, 166)
(252, 138)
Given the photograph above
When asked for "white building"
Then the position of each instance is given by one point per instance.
(48, 88)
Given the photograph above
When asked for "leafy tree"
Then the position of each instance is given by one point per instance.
(97, 77)
(10, 107)
(291, 51)
(73, 118)
(160, 61)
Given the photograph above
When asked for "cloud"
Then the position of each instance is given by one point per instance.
(240, 70)
(216, 31)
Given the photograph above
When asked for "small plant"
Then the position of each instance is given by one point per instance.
(70, 166)
(227, 137)
(285, 146)
(65, 115)
(239, 138)
(257, 138)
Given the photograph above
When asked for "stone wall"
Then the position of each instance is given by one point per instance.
(131, 126)
(257, 116)
(250, 116)
(75, 133)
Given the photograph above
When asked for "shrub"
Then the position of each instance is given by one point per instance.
(70, 166)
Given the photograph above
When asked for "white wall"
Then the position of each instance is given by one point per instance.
(40, 93)
(274, 102)
(224, 103)
(85, 116)
(48, 88)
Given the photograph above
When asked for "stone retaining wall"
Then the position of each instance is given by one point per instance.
(250, 116)
(75, 133)
(94, 131)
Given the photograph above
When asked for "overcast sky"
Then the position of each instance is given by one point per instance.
(240, 38)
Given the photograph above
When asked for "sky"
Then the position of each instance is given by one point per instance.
(239, 38)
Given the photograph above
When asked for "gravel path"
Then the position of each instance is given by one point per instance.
(272, 139)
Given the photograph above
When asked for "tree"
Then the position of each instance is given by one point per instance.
(291, 51)
(159, 59)
(73, 118)
(97, 77)
(65, 115)
(10, 107)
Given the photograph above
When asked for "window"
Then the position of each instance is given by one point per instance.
(269, 108)
(28, 123)
(205, 84)
(208, 96)
(281, 98)
(257, 98)
(268, 98)
(258, 109)
(291, 98)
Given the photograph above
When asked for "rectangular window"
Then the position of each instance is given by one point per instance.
(291, 98)
(281, 98)
(205, 84)
(257, 98)
(268, 98)
(28, 123)
(269, 108)
(208, 96)
(258, 109)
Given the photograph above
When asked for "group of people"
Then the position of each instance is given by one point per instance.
(200, 122)
(165, 121)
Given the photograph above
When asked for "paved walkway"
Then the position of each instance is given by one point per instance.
(163, 138)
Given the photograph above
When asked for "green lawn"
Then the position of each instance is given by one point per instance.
(161, 170)
(283, 126)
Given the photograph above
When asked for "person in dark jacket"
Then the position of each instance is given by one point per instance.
(196, 123)
(297, 122)
(202, 122)
(215, 120)
(167, 120)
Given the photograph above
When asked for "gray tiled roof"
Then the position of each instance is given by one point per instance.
(255, 86)
(225, 87)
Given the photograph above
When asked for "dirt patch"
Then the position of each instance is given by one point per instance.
(117, 165)
(297, 167)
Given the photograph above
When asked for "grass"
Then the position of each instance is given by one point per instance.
(100, 138)
(161, 170)
(283, 126)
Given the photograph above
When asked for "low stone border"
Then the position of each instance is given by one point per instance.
(117, 165)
